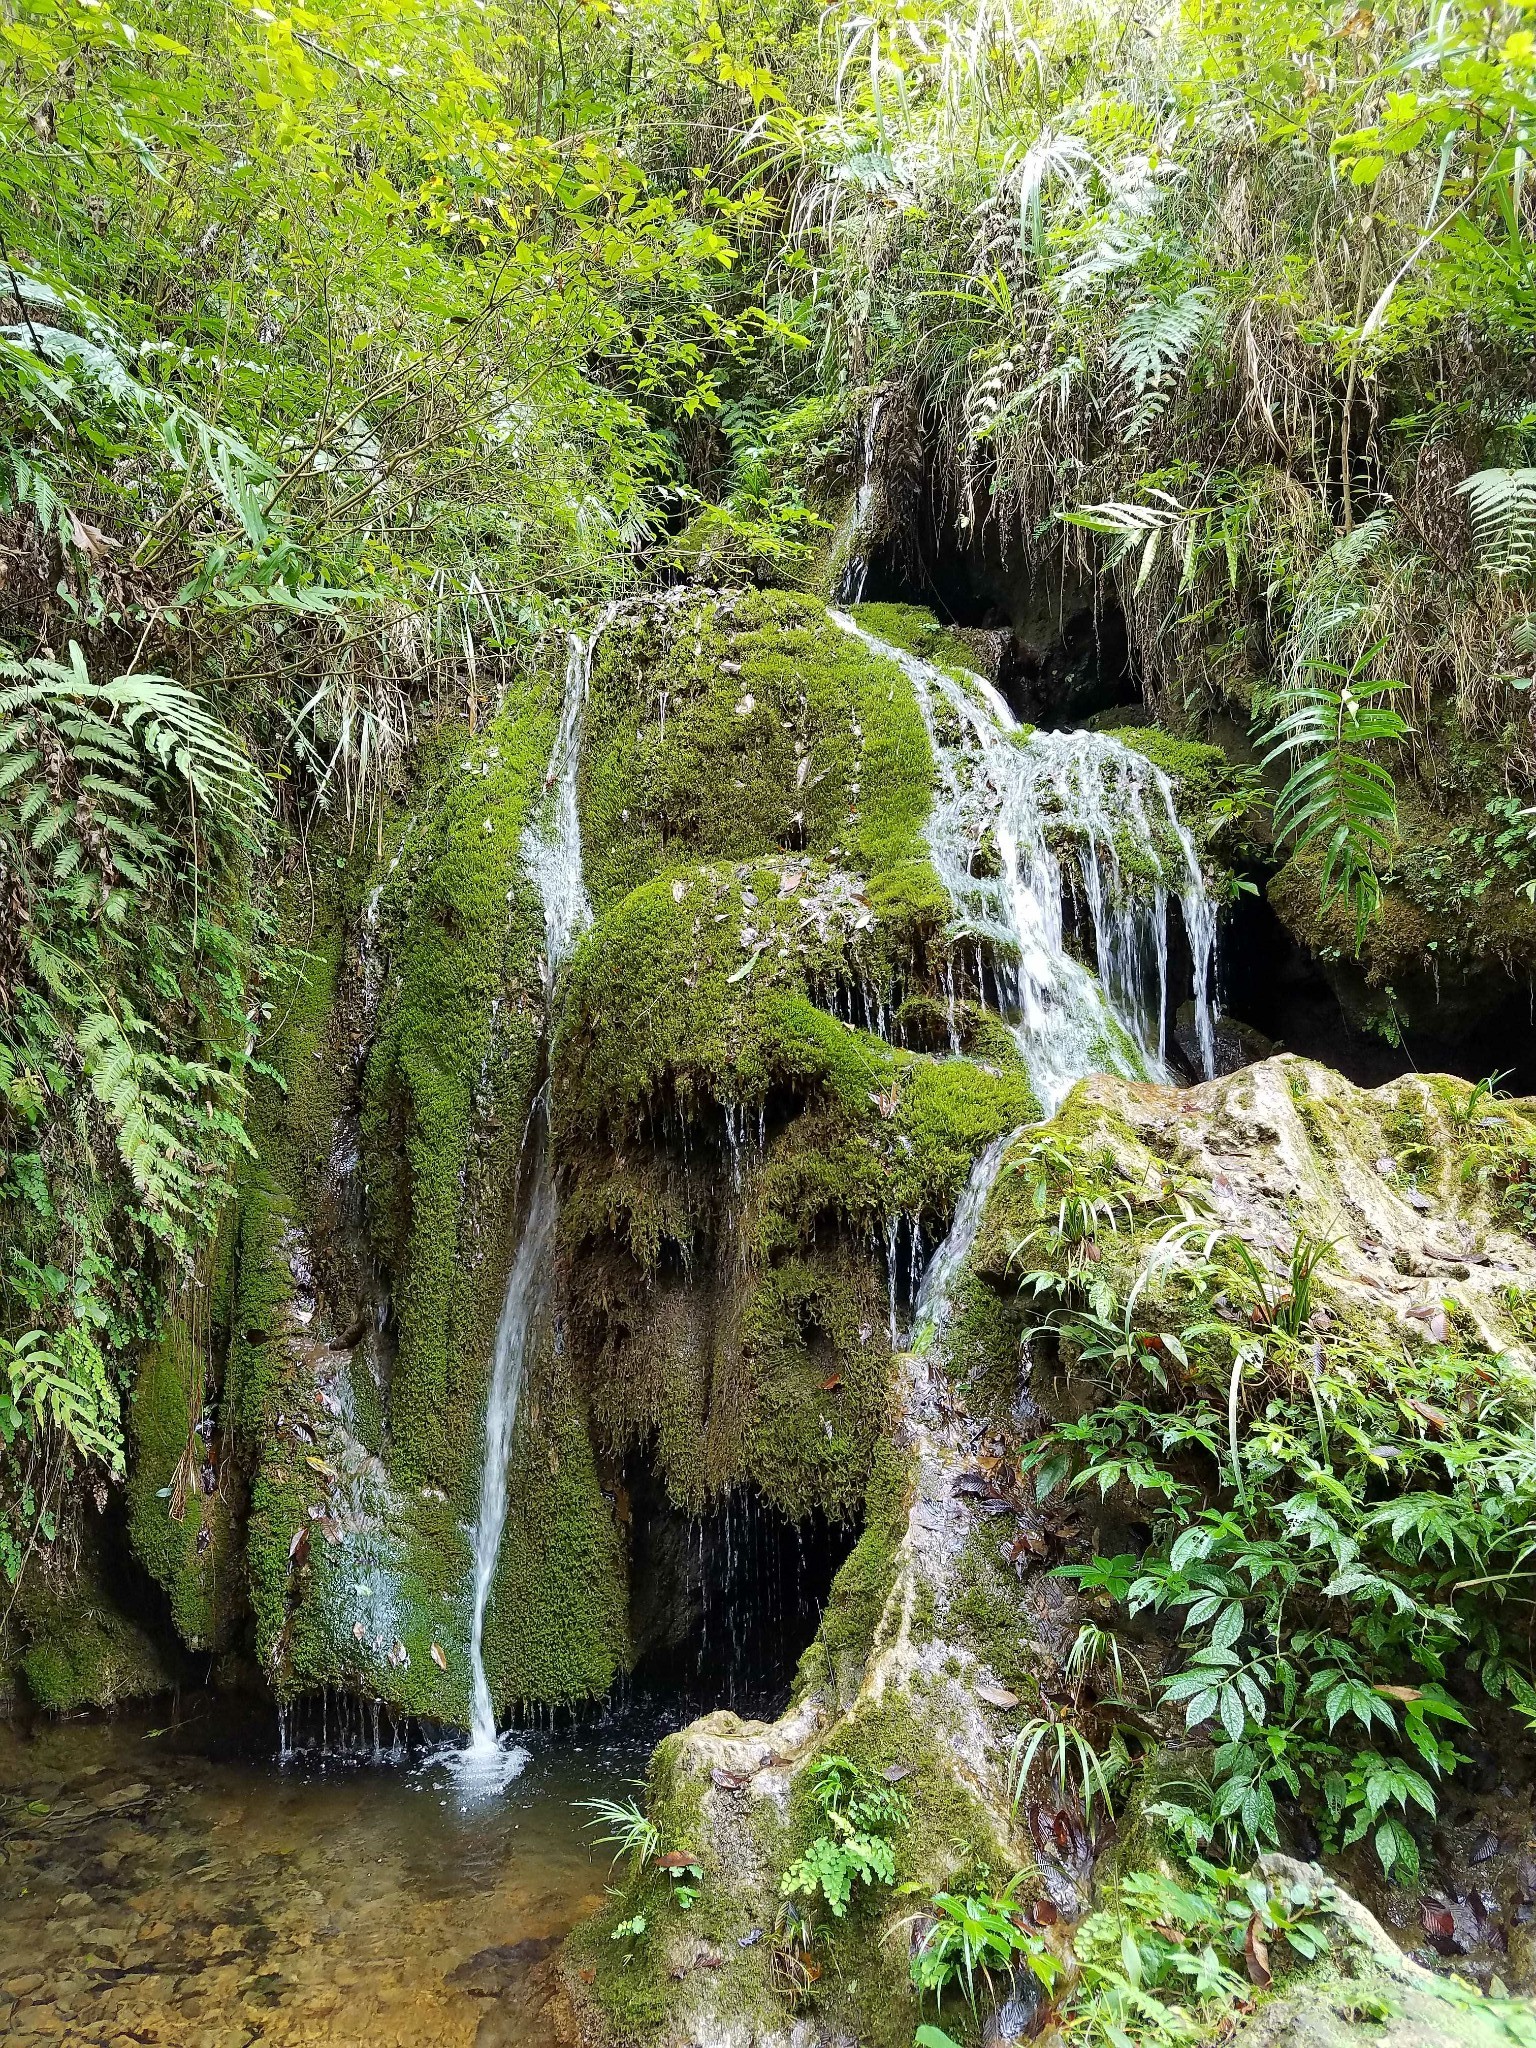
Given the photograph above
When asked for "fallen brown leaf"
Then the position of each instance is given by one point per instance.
(1258, 1954)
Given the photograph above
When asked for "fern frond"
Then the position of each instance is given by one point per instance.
(1502, 507)
(1157, 337)
(1337, 800)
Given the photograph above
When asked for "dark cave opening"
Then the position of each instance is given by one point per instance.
(1282, 989)
(723, 1604)
(1051, 636)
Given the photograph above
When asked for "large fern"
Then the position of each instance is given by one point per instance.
(1337, 799)
(1502, 504)
(1156, 340)
(116, 799)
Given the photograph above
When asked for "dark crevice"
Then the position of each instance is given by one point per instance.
(723, 1604)
(1309, 1006)
(1049, 634)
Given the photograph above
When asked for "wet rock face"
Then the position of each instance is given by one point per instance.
(949, 1627)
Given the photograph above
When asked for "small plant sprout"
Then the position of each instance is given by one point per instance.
(1073, 1765)
(630, 1832)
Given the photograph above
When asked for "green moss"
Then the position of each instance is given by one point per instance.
(82, 1650)
(982, 1342)
(1452, 918)
(947, 1836)
(557, 1627)
(917, 631)
(836, 1658)
(736, 726)
(182, 1524)
(456, 1049)
(986, 1613)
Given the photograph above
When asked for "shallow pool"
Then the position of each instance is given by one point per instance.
(167, 1881)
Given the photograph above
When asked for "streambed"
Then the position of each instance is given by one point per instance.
(178, 1885)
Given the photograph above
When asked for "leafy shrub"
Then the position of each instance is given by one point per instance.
(1167, 1955)
(1338, 1531)
(978, 1934)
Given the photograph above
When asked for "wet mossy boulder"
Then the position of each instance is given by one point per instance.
(80, 1647)
(450, 1076)
(738, 724)
(741, 1140)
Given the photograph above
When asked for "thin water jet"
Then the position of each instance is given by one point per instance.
(551, 849)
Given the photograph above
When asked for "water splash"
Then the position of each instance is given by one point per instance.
(1019, 824)
(551, 850)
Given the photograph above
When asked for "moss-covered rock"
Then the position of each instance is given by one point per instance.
(947, 1627)
(450, 1077)
(733, 725)
(80, 1648)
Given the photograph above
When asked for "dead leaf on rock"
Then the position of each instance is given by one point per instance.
(1439, 1924)
(438, 1658)
(997, 1695)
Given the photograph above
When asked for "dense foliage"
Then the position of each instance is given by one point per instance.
(348, 354)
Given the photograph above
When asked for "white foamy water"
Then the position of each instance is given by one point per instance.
(945, 1266)
(1019, 822)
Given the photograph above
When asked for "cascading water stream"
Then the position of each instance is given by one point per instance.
(1060, 810)
(944, 1267)
(551, 850)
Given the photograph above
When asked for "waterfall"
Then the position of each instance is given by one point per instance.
(551, 850)
(1039, 815)
(945, 1265)
(520, 1312)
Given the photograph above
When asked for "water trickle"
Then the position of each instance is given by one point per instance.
(551, 850)
(520, 1315)
(892, 1239)
(1020, 823)
(856, 574)
(551, 844)
(944, 1267)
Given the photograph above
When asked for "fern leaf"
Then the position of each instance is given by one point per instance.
(1502, 507)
